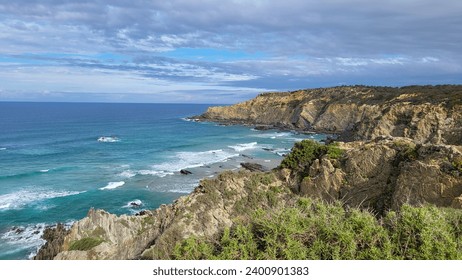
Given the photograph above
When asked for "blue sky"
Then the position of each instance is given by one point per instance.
(209, 51)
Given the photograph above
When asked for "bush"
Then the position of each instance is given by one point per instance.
(317, 230)
(424, 233)
(305, 152)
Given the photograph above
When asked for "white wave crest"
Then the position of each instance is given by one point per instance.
(281, 152)
(127, 174)
(2, 149)
(22, 198)
(133, 204)
(246, 146)
(274, 135)
(113, 185)
(184, 160)
(108, 139)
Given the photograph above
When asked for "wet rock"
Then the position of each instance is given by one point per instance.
(54, 241)
(246, 156)
(185, 172)
(253, 166)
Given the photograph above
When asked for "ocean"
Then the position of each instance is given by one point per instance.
(58, 160)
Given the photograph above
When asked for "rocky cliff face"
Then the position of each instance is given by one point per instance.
(383, 174)
(213, 205)
(430, 114)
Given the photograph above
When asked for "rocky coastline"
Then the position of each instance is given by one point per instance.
(426, 114)
(398, 146)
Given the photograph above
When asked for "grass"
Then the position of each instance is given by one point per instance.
(317, 230)
(85, 244)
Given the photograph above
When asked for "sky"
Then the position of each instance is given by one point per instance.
(218, 51)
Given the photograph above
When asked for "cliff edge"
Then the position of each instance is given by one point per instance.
(426, 114)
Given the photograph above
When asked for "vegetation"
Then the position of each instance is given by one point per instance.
(317, 230)
(85, 244)
(457, 164)
(305, 152)
(407, 151)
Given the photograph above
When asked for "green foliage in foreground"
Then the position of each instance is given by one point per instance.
(85, 243)
(316, 230)
(305, 152)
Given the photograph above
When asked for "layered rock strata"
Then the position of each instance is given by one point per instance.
(427, 114)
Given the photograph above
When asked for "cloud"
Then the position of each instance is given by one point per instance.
(220, 44)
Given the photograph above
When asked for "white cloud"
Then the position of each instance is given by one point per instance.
(304, 40)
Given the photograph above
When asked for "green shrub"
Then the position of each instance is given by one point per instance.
(424, 233)
(192, 248)
(305, 152)
(333, 151)
(317, 230)
(406, 151)
(85, 244)
(457, 164)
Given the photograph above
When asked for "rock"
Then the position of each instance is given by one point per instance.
(424, 113)
(185, 172)
(142, 213)
(457, 203)
(253, 166)
(385, 174)
(54, 241)
(246, 156)
(135, 204)
(263, 127)
(18, 230)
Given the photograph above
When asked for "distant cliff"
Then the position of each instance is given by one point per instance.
(430, 114)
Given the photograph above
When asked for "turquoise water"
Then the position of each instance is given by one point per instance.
(57, 160)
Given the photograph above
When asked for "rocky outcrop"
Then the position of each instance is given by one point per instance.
(384, 174)
(212, 206)
(427, 114)
(54, 240)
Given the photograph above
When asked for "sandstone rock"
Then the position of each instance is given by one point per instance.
(386, 173)
(424, 113)
(457, 203)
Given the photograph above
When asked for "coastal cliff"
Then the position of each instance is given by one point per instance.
(427, 114)
(380, 190)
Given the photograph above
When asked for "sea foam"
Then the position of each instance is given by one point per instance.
(184, 160)
(246, 146)
(108, 139)
(28, 237)
(113, 185)
(19, 199)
